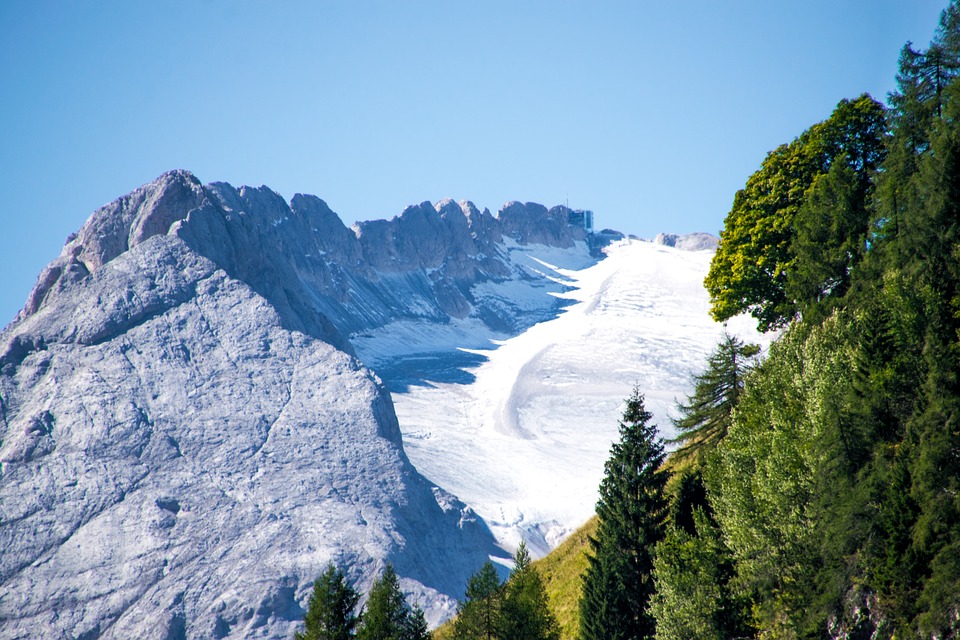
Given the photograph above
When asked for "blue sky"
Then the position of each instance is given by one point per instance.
(652, 114)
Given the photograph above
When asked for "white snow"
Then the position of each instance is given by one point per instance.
(525, 443)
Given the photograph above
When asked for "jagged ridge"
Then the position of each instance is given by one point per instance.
(186, 439)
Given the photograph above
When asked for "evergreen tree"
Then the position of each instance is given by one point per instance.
(526, 614)
(916, 105)
(692, 574)
(330, 614)
(479, 615)
(618, 582)
(386, 614)
(416, 625)
(690, 497)
(706, 415)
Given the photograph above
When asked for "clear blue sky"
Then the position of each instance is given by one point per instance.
(650, 113)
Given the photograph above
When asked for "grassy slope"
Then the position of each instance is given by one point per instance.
(561, 571)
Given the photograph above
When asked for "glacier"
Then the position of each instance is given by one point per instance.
(524, 441)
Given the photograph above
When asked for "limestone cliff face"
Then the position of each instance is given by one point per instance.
(186, 439)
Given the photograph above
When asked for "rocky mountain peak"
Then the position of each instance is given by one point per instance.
(186, 437)
(116, 228)
(128, 221)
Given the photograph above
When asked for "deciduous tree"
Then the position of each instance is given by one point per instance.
(706, 415)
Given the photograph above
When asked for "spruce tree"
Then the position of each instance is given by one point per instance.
(330, 614)
(386, 613)
(416, 625)
(618, 582)
(526, 614)
(479, 615)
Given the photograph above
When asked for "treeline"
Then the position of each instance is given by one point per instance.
(815, 492)
(516, 609)
(332, 613)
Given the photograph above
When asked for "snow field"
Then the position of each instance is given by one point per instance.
(525, 443)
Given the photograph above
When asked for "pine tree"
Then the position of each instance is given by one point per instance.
(386, 613)
(526, 614)
(479, 615)
(706, 415)
(330, 614)
(618, 582)
(416, 625)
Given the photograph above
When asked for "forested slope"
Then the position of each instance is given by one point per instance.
(831, 502)
(815, 491)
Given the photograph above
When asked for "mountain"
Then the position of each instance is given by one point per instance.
(197, 402)
(187, 435)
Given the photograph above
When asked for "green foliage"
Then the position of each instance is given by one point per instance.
(618, 582)
(330, 614)
(387, 616)
(416, 627)
(776, 461)
(836, 487)
(830, 239)
(526, 613)
(751, 269)
(748, 271)
(479, 615)
(706, 415)
(690, 497)
(693, 597)
(520, 608)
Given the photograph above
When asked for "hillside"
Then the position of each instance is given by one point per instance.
(561, 570)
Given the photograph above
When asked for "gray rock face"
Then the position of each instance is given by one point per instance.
(183, 447)
(535, 224)
(177, 464)
(324, 279)
(689, 241)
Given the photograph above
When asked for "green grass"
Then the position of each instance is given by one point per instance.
(444, 631)
(561, 570)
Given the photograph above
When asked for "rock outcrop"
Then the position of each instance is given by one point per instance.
(688, 241)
